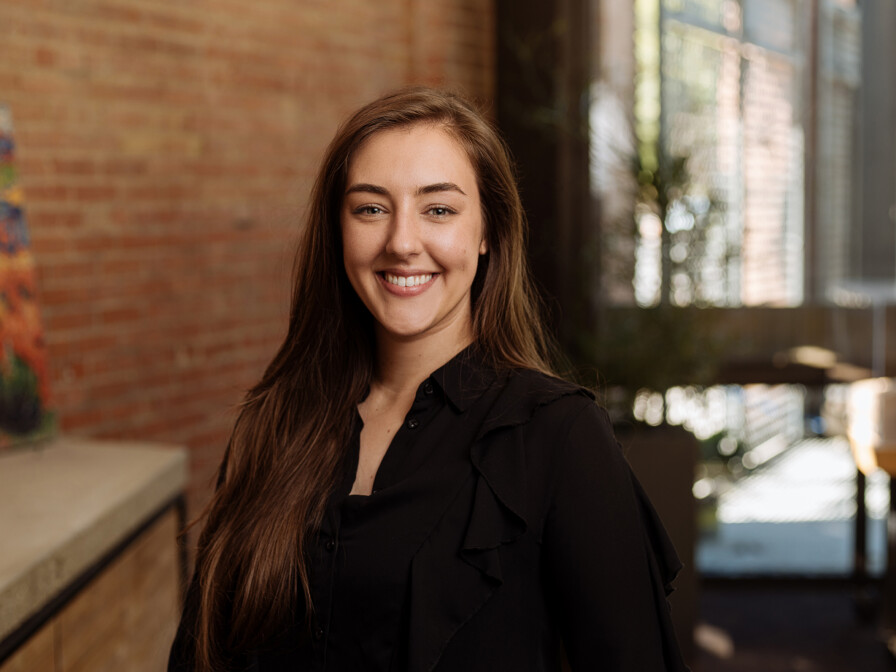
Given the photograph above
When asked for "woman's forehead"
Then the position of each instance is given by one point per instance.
(420, 154)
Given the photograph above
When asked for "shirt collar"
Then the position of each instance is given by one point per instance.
(464, 378)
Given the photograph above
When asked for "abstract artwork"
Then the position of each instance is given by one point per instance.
(24, 387)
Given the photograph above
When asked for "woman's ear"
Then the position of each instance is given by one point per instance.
(483, 247)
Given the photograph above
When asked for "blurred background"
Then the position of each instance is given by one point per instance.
(711, 189)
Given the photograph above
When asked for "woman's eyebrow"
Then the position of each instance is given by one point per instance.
(367, 188)
(439, 186)
(421, 191)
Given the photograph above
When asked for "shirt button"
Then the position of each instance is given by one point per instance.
(330, 545)
(318, 634)
(413, 423)
(427, 388)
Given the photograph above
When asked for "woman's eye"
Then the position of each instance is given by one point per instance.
(369, 210)
(440, 211)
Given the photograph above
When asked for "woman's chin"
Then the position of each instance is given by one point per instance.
(407, 331)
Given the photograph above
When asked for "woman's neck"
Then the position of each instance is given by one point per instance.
(401, 365)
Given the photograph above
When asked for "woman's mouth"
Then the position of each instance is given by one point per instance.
(406, 285)
(407, 280)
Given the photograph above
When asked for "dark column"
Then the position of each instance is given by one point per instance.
(543, 62)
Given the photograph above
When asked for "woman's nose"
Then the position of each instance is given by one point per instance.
(404, 235)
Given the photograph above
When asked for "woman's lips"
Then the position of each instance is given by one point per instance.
(406, 285)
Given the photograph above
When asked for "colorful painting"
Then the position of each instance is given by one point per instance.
(24, 387)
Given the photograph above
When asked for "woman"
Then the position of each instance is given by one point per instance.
(408, 487)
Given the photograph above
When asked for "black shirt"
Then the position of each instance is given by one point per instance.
(502, 520)
(360, 563)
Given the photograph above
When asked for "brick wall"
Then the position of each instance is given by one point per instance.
(166, 149)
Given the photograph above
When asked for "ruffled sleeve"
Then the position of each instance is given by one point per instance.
(503, 497)
(610, 562)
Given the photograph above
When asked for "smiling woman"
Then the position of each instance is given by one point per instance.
(412, 234)
(409, 487)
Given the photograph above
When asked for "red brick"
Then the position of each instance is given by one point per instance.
(165, 151)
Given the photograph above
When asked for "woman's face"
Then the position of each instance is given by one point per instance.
(412, 232)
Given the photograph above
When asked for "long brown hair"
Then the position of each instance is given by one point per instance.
(293, 426)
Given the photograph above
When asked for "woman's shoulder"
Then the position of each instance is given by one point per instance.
(548, 432)
(550, 384)
(531, 396)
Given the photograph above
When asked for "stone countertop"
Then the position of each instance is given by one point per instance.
(65, 504)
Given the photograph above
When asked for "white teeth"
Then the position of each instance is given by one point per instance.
(408, 281)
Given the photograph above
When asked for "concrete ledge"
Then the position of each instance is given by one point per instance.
(65, 504)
